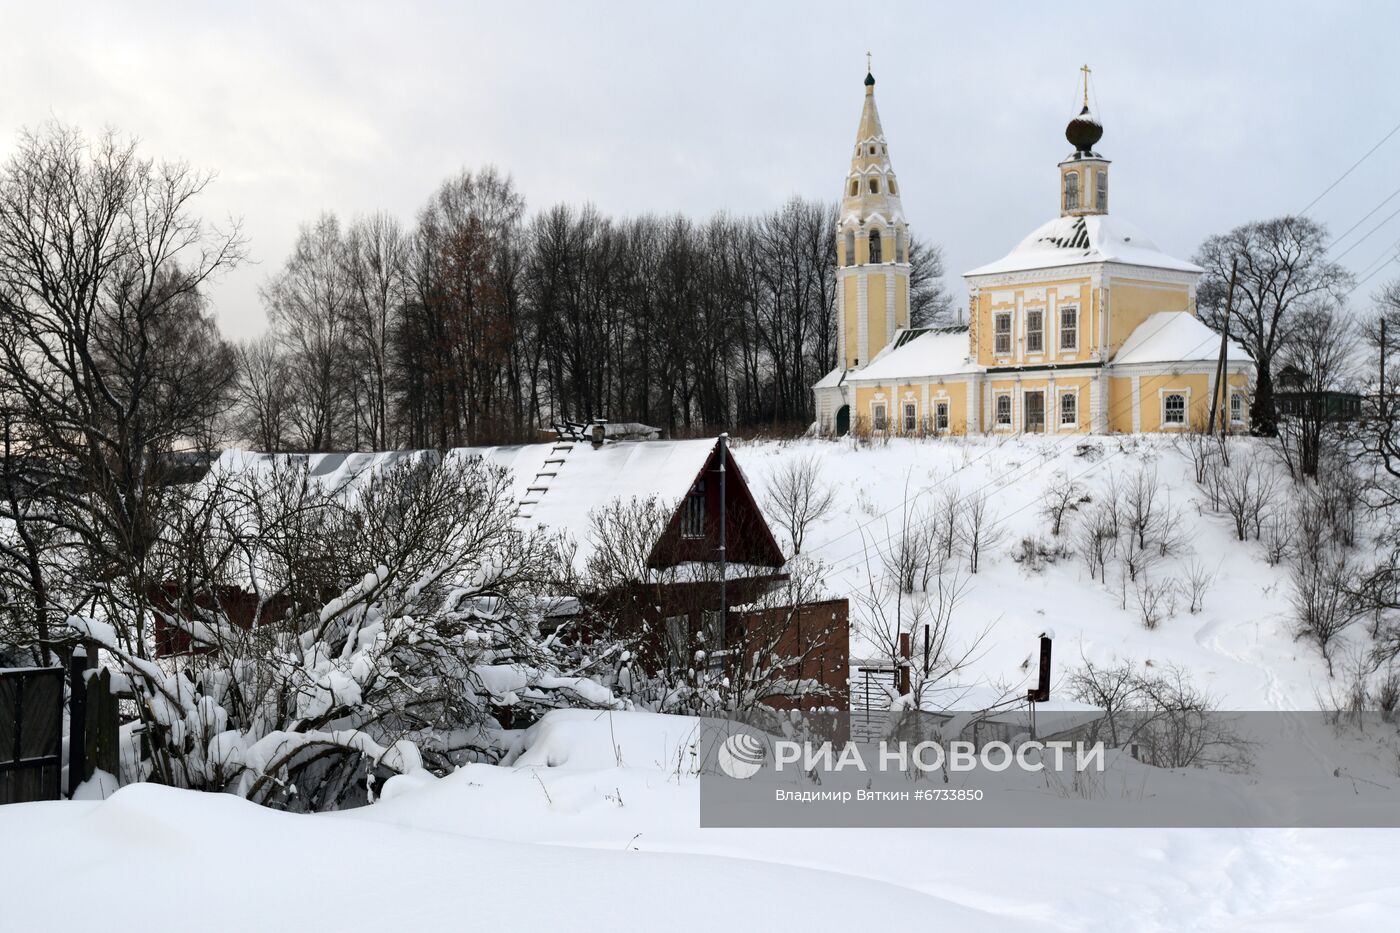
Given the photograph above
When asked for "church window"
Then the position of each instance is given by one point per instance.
(877, 416)
(1236, 408)
(1069, 328)
(855, 187)
(893, 189)
(1101, 189)
(872, 150)
(1002, 333)
(1004, 410)
(874, 186)
(875, 246)
(1174, 409)
(693, 512)
(1069, 409)
(940, 416)
(900, 251)
(1035, 331)
(911, 417)
(850, 248)
(1071, 191)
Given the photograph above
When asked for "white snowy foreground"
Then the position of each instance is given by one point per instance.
(595, 827)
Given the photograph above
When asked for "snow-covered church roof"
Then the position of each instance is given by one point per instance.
(1069, 241)
(1172, 337)
(921, 352)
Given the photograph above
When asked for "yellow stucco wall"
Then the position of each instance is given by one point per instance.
(1152, 389)
(852, 348)
(1132, 302)
(896, 397)
(1057, 294)
(876, 310)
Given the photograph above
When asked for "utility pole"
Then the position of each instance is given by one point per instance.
(1219, 392)
(723, 535)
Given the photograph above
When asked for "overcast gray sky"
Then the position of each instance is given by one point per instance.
(1214, 114)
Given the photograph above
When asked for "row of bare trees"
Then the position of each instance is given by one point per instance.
(482, 324)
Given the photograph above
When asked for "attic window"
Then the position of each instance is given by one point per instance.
(693, 512)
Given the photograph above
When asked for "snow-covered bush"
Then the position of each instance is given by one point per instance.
(335, 634)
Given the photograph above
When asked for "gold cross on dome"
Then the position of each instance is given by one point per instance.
(1085, 69)
(867, 62)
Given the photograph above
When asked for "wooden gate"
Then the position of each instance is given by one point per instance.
(31, 734)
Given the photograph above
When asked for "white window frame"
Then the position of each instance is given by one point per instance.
(1068, 312)
(942, 412)
(909, 417)
(998, 332)
(1163, 395)
(1039, 332)
(879, 416)
(1236, 402)
(1073, 395)
(1010, 422)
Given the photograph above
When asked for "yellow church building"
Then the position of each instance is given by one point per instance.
(1086, 326)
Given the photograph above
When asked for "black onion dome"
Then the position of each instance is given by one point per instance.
(1084, 131)
(869, 79)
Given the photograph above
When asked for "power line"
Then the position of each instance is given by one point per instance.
(1363, 219)
(1353, 246)
(1342, 177)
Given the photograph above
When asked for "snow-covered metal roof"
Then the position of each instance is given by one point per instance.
(1172, 337)
(1069, 241)
(555, 485)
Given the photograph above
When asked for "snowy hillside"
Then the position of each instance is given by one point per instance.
(1240, 645)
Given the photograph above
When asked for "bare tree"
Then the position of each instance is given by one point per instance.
(1322, 600)
(980, 529)
(1062, 496)
(1282, 266)
(308, 305)
(108, 362)
(264, 394)
(1319, 360)
(797, 496)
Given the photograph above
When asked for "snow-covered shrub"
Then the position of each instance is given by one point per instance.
(336, 633)
(1062, 496)
(1155, 601)
(1323, 602)
(1036, 553)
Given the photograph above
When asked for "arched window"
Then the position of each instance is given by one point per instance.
(899, 255)
(872, 150)
(1071, 191)
(893, 189)
(874, 186)
(1101, 190)
(850, 248)
(875, 246)
(855, 187)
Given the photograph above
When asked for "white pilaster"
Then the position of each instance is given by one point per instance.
(889, 305)
(1137, 404)
(863, 319)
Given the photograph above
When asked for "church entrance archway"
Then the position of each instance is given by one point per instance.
(843, 420)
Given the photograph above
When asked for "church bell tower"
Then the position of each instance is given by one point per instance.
(872, 247)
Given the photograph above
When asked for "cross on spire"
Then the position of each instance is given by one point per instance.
(1085, 69)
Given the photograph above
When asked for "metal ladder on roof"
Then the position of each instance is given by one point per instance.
(558, 453)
